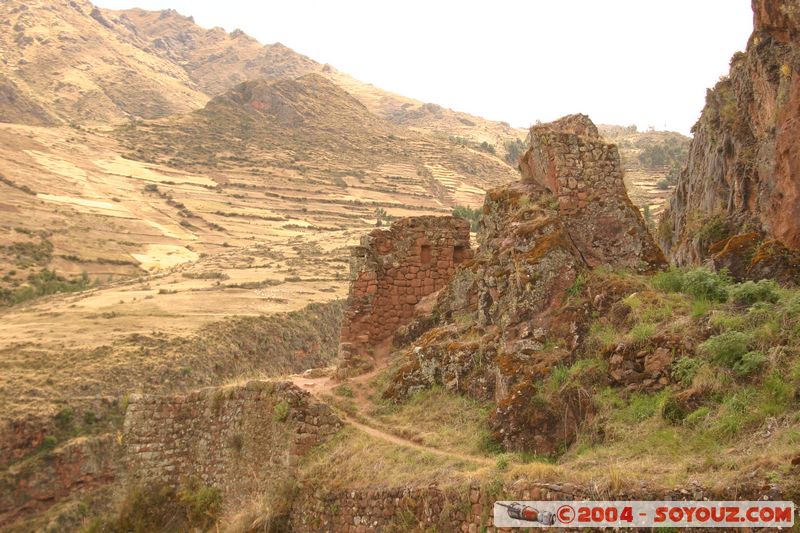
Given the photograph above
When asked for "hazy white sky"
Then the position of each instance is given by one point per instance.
(644, 62)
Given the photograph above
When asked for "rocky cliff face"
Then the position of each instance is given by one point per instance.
(506, 319)
(742, 175)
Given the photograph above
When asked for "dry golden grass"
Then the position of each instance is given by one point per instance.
(353, 459)
(439, 419)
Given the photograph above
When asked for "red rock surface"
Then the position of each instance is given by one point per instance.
(743, 171)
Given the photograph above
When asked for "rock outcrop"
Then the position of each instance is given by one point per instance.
(743, 172)
(506, 319)
(391, 272)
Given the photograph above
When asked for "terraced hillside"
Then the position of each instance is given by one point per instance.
(652, 161)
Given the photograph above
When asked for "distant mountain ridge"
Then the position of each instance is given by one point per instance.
(110, 66)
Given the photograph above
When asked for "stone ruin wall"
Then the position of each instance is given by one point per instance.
(584, 173)
(466, 509)
(391, 272)
(574, 162)
(235, 438)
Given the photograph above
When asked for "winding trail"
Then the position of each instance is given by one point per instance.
(323, 385)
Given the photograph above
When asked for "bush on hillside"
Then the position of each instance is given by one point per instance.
(669, 281)
(706, 284)
(728, 348)
(749, 363)
(751, 292)
(701, 283)
(472, 215)
(43, 283)
(514, 149)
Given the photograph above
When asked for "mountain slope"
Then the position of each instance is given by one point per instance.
(62, 61)
(317, 130)
(213, 59)
(68, 61)
(216, 61)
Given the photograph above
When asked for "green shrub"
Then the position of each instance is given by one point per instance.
(727, 348)
(589, 372)
(641, 407)
(343, 390)
(601, 336)
(778, 392)
(578, 285)
(734, 413)
(705, 284)
(64, 418)
(486, 147)
(749, 363)
(195, 507)
(557, 378)
(514, 149)
(669, 281)
(201, 504)
(750, 292)
(701, 307)
(89, 418)
(502, 462)
(44, 283)
(728, 321)
(281, 411)
(794, 372)
(792, 305)
(713, 229)
(472, 215)
(672, 410)
(488, 445)
(641, 333)
(685, 369)
(698, 415)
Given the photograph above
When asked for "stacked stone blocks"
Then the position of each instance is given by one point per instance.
(391, 271)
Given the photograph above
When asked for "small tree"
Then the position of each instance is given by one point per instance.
(648, 218)
(380, 216)
(514, 149)
(472, 215)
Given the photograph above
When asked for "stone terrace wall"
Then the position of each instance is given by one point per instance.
(467, 509)
(391, 271)
(570, 158)
(233, 438)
